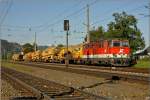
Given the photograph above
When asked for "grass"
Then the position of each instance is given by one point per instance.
(16, 66)
(142, 64)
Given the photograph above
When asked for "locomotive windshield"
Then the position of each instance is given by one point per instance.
(125, 44)
(120, 44)
(116, 43)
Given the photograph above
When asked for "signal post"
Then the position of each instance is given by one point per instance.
(66, 28)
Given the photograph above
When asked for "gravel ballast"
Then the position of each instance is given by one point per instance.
(8, 91)
(120, 90)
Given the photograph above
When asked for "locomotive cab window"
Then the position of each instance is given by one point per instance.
(116, 43)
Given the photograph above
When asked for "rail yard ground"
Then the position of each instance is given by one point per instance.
(119, 90)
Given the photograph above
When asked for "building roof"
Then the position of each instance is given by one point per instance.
(145, 51)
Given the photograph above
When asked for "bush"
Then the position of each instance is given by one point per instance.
(145, 58)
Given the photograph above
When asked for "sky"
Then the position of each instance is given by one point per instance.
(21, 19)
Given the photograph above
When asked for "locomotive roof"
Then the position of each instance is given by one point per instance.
(107, 40)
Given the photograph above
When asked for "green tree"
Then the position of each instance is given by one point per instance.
(125, 27)
(60, 45)
(27, 48)
(97, 34)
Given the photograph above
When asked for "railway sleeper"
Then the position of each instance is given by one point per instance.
(71, 98)
(24, 98)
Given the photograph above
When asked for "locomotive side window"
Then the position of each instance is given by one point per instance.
(116, 43)
(87, 46)
(84, 46)
(125, 44)
(109, 44)
(90, 45)
(101, 44)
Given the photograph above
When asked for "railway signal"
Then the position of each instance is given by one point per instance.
(66, 28)
(66, 25)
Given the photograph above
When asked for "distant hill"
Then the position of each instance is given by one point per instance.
(9, 48)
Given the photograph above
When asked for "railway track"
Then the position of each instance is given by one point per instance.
(98, 72)
(47, 90)
(22, 90)
(125, 69)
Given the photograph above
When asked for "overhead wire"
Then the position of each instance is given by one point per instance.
(120, 6)
(107, 12)
(44, 24)
(70, 15)
(107, 18)
(74, 13)
(5, 13)
(59, 20)
(61, 14)
(3, 6)
(27, 28)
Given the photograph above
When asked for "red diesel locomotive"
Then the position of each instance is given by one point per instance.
(108, 52)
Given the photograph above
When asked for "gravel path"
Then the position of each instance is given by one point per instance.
(117, 91)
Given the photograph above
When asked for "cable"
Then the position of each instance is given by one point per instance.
(139, 7)
(70, 15)
(6, 3)
(60, 20)
(42, 25)
(75, 5)
(5, 14)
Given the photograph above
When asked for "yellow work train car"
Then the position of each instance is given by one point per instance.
(17, 57)
(36, 56)
(47, 55)
(28, 56)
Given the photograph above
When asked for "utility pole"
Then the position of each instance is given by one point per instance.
(35, 42)
(149, 24)
(88, 25)
(67, 57)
